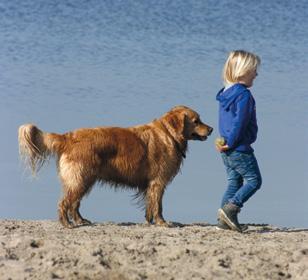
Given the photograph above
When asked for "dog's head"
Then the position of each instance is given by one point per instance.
(187, 123)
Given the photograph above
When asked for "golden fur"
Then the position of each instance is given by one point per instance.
(145, 158)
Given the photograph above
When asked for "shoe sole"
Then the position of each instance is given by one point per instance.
(225, 218)
(243, 227)
(218, 228)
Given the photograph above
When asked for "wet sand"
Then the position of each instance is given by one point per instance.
(45, 250)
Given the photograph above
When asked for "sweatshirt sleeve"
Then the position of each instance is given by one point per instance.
(240, 120)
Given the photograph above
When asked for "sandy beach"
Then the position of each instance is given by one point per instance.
(45, 250)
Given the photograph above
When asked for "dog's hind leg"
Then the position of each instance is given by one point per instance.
(69, 208)
(76, 216)
(63, 208)
(74, 209)
(75, 186)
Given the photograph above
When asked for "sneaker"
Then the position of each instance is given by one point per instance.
(228, 214)
(244, 227)
(221, 225)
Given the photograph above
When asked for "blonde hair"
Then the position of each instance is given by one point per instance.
(238, 64)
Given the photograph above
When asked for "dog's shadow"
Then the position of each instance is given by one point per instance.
(252, 228)
(170, 224)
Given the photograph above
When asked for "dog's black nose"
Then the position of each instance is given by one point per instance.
(210, 130)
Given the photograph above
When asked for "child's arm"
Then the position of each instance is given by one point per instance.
(243, 111)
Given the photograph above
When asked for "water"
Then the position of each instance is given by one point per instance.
(71, 64)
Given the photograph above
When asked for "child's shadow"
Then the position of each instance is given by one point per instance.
(266, 228)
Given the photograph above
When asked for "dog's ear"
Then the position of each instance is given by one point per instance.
(178, 120)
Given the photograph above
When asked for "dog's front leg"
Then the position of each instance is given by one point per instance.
(148, 213)
(154, 208)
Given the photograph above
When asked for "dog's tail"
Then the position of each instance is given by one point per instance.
(36, 146)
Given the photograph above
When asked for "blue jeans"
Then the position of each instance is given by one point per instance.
(244, 177)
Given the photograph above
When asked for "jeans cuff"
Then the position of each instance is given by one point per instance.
(236, 203)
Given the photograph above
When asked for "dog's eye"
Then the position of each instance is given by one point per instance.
(196, 121)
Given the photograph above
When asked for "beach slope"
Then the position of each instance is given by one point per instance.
(45, 250)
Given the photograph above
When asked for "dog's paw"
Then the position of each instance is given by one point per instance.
(68, 225)
(83, 222)
(147, 224)
(162, 224)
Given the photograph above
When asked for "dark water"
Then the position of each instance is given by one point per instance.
(70, 64)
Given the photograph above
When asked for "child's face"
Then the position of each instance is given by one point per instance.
(249, 77)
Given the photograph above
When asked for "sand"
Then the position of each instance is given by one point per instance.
(45, 250)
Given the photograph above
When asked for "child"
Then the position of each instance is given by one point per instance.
(238, 127)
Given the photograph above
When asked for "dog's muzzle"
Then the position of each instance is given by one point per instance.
(196, 136)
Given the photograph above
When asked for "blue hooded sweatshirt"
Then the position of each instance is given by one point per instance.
(237, 117)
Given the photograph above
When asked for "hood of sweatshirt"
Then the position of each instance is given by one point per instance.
(227, 97)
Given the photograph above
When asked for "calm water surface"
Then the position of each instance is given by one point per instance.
(71, 64)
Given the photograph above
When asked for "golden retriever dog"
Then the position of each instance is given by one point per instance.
(144, 158)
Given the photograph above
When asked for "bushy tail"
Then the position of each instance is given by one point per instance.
(36, 146)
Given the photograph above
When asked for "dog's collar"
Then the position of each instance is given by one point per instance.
(182, 152)
(178, 146)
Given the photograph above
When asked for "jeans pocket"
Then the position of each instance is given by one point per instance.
(240, 160)
(236, 156)
(245, 163)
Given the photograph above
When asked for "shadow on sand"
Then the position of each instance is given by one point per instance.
(252, 228)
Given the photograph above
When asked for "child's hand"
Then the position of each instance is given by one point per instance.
(221, 149)
(220, 144)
